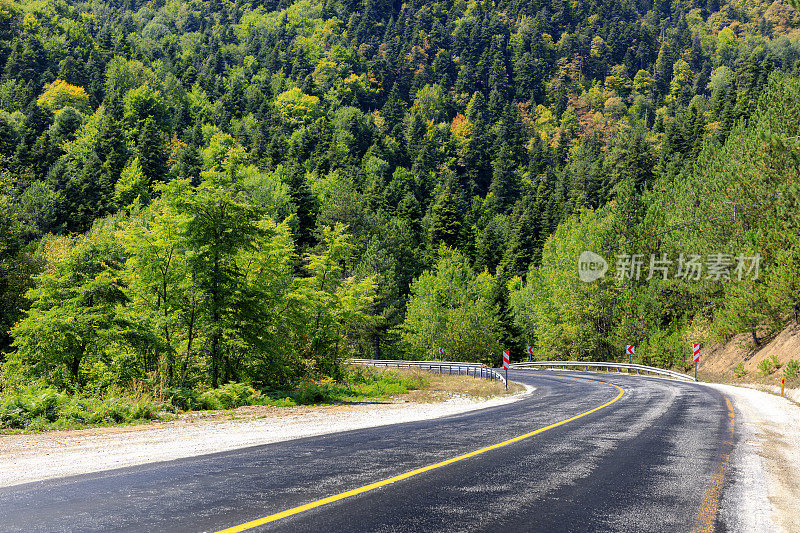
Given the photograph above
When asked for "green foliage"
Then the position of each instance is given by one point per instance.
(153, 157)
(297, 108)
(60, 94)
(739, 370)
(229, 396)
(132, 184)
(572, 319)
(453, 310)
(766, 367)
(357, 383)
(142, 104)
(71, 319)
(37, 408)
(792, 369)
(298, 166)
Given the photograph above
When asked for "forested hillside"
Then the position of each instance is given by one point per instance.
(210, 191)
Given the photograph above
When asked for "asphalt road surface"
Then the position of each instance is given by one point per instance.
(592, 458)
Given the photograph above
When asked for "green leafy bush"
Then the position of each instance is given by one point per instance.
(281, 402)
(792, 369)
(35, 408)
(185, 399)
(312, 391)
(21, 409)
(739, 370)
(766, 366)
(39, 408)
(230, 396)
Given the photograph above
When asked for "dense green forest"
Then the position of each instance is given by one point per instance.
(201, 192)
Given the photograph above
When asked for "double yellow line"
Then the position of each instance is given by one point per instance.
(412, 473)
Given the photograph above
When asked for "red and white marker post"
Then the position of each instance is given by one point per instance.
(630, 349)
(696, 357)
(506, 363)
(530, 350)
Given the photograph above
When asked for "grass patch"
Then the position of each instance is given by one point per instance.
(442, 387)
(359, 383)
(37, 408)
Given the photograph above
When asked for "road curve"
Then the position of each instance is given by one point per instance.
(654, 459)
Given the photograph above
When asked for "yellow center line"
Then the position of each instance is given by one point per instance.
(412, 473)
(707, 517)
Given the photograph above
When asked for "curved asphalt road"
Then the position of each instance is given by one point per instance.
(654, 460)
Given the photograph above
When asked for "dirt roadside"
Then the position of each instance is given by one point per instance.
(765, 492)
(34, 457)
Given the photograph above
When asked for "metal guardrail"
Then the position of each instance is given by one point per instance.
(443, 367)
(593, 364)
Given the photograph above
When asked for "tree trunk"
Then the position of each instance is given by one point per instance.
(185, 368)
(214, 360)
(215, 296)
(75, 364)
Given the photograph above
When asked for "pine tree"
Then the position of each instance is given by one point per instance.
(663, 68)
(490, 245)
(498, 72)
(394, 109)
(445, 227)
(505, 188)
(112, 148)
(153, 155)
(190, 163)
(15, 272)
(524, 245)
(89, 195)
(506, 329)
(476, 159)
(444, 68)
(306, 205)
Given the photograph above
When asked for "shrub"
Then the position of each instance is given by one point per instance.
(315, 391)
(766, 366)
(184, 398)
(792, 369)
(282, 402)
(775, 363)
(230, 396)
(21, 409)
(35, 408)
(359, 374)
(739, 370)
(110, 410)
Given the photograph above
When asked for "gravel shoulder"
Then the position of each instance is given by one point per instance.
(764, 485)
(35, 457)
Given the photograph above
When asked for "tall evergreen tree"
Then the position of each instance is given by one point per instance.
(153, 155)
(445, 226)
